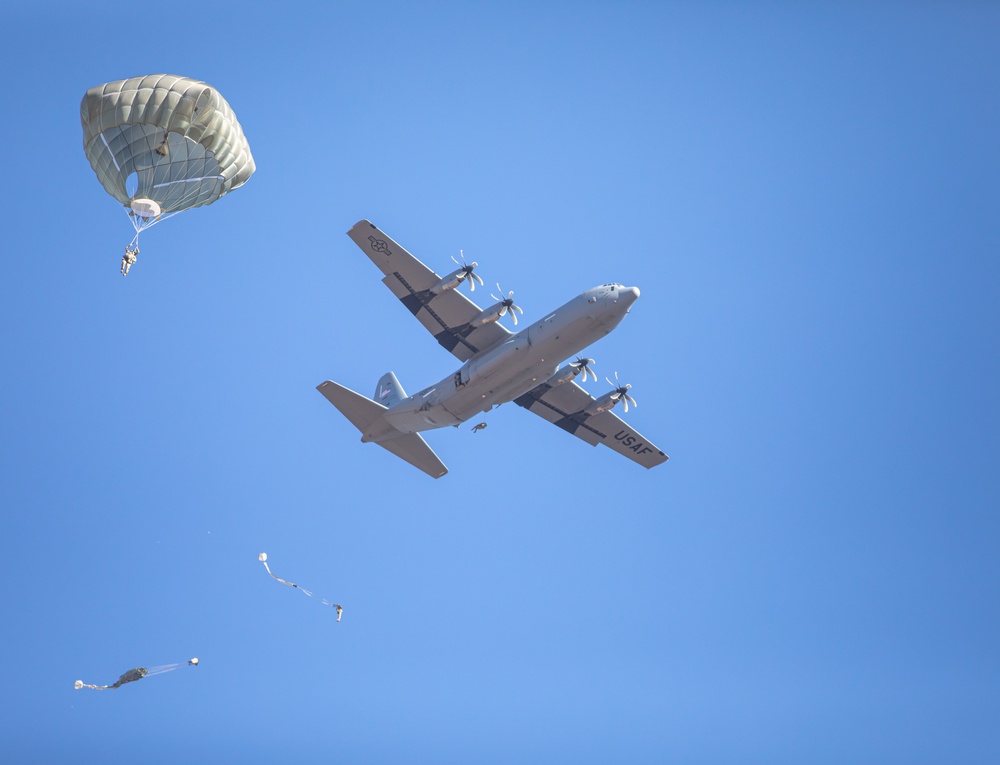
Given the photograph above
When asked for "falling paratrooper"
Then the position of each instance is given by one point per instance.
(161, 144)
(263, 559)
(137, 673)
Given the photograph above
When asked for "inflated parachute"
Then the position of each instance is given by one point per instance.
(162, 144)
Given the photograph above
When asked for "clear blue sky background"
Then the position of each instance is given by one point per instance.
(806, 195)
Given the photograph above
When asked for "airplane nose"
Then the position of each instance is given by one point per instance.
(629, 294)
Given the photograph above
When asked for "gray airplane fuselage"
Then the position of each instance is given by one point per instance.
(523, 361)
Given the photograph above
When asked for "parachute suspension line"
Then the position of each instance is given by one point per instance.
(163, 668)
(136, 674)
(340, 609)
(191, 189)
(263, 559)
(140, 224)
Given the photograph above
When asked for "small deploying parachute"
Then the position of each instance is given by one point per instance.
(134, 674)
(263, 559)
(162, 144)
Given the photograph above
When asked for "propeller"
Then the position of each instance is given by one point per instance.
(468, 272)
(507, 303)
(620, 393)
(583, 366)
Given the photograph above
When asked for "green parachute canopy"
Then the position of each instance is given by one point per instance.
(161, 144)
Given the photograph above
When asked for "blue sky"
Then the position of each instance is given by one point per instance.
(805, 195)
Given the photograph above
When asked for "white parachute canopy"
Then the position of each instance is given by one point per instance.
(263, 559)
(136, 673)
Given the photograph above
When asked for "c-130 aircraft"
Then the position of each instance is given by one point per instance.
(499, 365)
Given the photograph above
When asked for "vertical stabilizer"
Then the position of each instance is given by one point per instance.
(388, 392)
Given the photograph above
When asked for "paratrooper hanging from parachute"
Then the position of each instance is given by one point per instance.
(162, 144)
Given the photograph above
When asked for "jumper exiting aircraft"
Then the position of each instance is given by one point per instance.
(499, 365)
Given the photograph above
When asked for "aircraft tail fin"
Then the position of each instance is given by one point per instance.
(388, 391)
(366, 416)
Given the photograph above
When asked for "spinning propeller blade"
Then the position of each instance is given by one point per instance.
(468, 271)
(507, 303)
(583, 366)
(620, 393)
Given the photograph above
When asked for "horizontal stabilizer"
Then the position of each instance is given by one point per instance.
(361, 411)
(366, 416)
(412, 448)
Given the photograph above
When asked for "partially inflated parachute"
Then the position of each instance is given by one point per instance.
(134, 674)
(161, 144)
(340, 609)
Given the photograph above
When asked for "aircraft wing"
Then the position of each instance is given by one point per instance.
(563, 405)
(446, 315)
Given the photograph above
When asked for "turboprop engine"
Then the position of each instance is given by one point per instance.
(570, 371)
(608, 400)
(456, 277)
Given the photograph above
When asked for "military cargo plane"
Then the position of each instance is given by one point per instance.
(498, 365)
